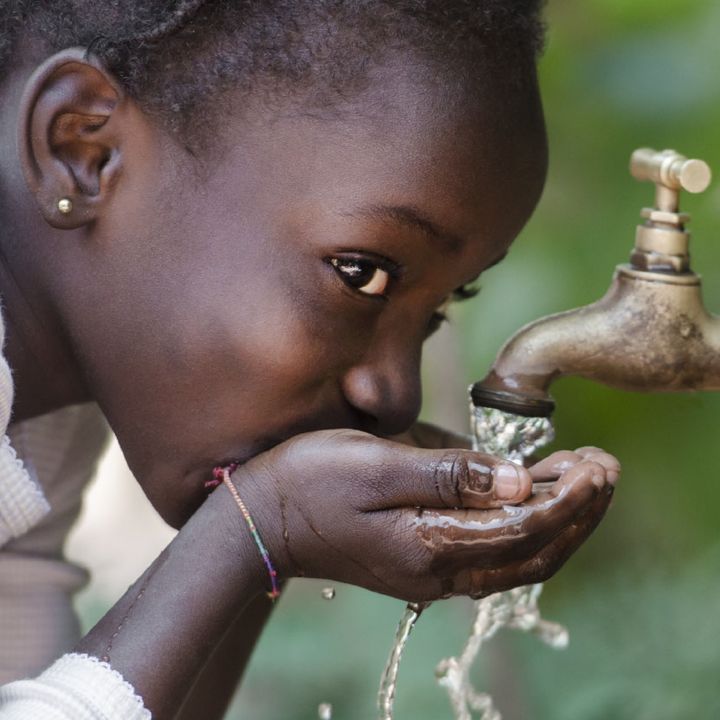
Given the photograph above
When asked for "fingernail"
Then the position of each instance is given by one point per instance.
(598, 481)
(480, 479)
(507, 481)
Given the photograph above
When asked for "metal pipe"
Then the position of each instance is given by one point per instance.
(649, 333)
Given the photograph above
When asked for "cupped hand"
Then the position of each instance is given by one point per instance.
(421, 524)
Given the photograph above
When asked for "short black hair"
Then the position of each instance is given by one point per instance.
(171, 56)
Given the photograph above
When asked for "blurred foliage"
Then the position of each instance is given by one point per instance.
(639, 598)
(644, 647)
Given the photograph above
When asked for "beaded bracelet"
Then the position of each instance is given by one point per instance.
(222, 475)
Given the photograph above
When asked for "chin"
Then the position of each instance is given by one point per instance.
(175, 495)
(176, 511)
(176, 492)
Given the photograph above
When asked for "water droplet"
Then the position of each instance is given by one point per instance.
(328, 593)
(325, 711)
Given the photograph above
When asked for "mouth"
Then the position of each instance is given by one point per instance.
(350, 418)
(204, 474)
(199, 480)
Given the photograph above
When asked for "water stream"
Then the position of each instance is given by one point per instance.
(515, 438)
(388, 681)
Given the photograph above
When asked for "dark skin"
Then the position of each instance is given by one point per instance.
(268, 303)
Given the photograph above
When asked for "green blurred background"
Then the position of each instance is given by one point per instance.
(641, 598)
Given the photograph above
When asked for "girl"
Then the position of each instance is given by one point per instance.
(232, 225)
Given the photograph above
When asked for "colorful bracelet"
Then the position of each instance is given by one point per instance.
(222, 475)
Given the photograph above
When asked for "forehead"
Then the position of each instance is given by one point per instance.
(471, 162)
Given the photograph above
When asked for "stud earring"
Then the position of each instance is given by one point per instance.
(65, 206)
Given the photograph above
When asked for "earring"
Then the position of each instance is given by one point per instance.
(65, 206)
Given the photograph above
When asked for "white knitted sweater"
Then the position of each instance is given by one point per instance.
(34, 583)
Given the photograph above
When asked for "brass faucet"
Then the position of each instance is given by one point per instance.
(649, 333)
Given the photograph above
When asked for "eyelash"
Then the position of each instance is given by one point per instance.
(464, 292)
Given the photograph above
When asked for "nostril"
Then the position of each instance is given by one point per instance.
(398, 419)
(365, 422)
(386, 403)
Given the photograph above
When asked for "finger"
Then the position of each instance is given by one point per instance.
(479, 582)
(608, 461)
(559, 462)
(554, 465)
(412, 477)
(468, 537)
(390, 475)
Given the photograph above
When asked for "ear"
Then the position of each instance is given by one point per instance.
(69, 137)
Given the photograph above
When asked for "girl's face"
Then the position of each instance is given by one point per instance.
(289, 284)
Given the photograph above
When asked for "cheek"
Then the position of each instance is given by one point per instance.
(220, 370)
(282, 360)
(296, 321)
(279, 351)
(296, 344)
(255, 380)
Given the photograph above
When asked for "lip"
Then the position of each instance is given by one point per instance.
(240, 455)
(202, 471)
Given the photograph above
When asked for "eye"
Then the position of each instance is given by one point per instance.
(363, 274)
(436, 321)
(440, 316)
(466, 292)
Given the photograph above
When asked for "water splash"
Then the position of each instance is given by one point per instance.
(388, 681)
(513, 437)
(516, 609)
(325, 711)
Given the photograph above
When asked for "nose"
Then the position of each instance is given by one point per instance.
(385, 389)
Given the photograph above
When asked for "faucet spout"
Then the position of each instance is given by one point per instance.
(649, 333)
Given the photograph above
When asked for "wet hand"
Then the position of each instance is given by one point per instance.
(421, 524)
(530, 542)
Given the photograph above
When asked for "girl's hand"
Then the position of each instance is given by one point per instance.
(421, 524)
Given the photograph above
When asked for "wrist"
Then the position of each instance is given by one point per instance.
(253, 519)
(274, 581)
(232, 541)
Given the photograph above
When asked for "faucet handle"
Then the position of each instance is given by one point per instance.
(671, 172)
(661, 242)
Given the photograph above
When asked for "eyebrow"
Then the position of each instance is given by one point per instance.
(409, 216)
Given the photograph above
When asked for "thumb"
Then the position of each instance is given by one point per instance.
(405, 476)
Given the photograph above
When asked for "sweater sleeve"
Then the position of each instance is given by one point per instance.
(22, 502)
(75, 687)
